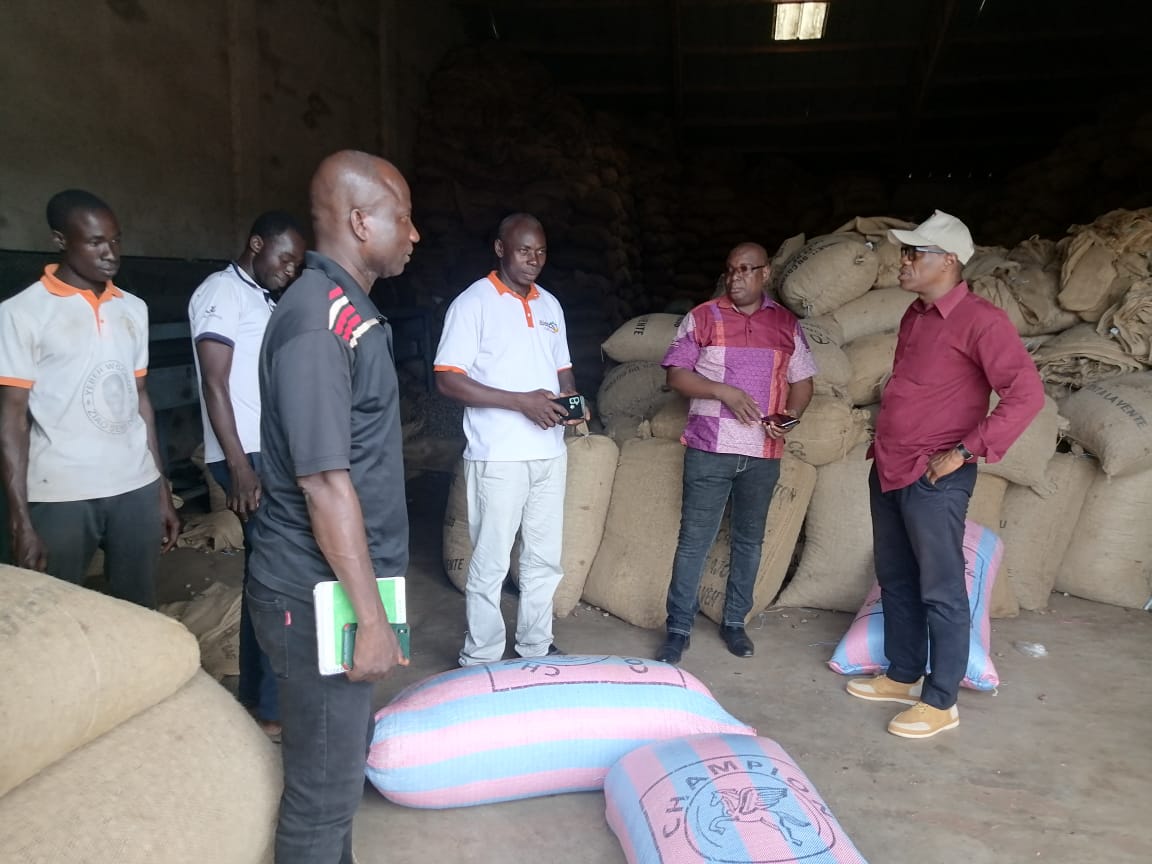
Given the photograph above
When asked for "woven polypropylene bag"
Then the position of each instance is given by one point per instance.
(531, 727)
(861, 651)
(721, 799)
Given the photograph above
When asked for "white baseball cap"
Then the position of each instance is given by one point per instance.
(940, 230)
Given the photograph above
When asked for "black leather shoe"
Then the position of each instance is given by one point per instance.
(673, 648)
(737, 641)
(553, 650)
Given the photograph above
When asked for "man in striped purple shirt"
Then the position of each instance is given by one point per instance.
(740, 359)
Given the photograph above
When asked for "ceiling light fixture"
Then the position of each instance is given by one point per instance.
(799, 21)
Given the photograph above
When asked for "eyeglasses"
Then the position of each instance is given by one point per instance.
(914, 252)
(743, 271)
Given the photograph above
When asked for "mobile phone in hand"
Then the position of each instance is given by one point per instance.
(781, 421)
(574, 405)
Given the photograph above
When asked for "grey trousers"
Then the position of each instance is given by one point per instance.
(127, 527)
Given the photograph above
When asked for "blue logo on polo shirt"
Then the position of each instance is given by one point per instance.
(550, 325)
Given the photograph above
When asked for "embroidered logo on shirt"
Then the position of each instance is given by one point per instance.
(551, 326)
(344, 320)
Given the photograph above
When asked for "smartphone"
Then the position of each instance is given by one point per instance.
(574, 405)
(782, 421)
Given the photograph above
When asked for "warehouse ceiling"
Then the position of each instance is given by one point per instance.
(910, 85)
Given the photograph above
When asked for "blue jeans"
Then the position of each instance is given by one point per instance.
(710, 479)
(327, 730)
(257, 687)
(918, 545)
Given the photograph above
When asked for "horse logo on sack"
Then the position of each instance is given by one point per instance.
(755, 804)
(722, 809)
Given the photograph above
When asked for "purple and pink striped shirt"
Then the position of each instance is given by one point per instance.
(761, 353)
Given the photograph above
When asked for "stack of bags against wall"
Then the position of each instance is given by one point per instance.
(115, 747)
(1106, 281)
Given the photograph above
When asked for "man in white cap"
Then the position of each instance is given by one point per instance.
(954, 349)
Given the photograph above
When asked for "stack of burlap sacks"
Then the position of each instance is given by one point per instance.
(114, 746)
(1074, 521)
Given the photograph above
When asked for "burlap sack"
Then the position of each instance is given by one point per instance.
(1109, 554)
(875, 229)
(836, 567)
(1087, 276)
(826, 273)
(191, 779)
(213, 617)
(76, 664)
(1113, 421)
(457, 544)
(985, 508)
(669, 420)
(875, 312)
(871, 360)
(829, 429)
(645, 337)
(1026, 461)
(1037, 530)
(1129, 321)
(218, 531)
(633, 566)
(591, 469)
(1035, 291)
(785, 516)
(1080, 356)
(833, 369)
(634, 389)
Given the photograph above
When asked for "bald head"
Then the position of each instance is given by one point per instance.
(754, 249)
(514, 222)
(362, 213)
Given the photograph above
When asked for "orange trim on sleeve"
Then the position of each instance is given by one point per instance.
(564, 368)
(22, 383)
(449, 369)
(140, 373)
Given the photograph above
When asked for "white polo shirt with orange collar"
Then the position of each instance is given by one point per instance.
(503, 340)
(79, 355)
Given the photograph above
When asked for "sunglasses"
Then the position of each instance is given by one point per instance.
(743, 271)
(914, 252)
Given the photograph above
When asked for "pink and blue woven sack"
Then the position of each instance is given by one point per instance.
(721, 799)
(861, 651)
(531, 727)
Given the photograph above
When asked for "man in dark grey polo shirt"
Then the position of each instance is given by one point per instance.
(334, 504)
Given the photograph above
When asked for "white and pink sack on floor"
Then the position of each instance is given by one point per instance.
(861, 651)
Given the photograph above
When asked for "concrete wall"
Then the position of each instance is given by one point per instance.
(190, 118)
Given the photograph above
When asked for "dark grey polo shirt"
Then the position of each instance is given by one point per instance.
(330, 401)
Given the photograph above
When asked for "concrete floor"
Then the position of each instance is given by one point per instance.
(1055, 767)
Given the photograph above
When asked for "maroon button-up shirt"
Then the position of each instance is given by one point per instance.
(950, 356)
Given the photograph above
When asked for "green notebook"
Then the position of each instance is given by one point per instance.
(334, 611)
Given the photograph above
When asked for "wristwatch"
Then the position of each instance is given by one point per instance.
(965, 452)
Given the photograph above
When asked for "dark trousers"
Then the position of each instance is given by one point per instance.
(257, 687)
(127, 527)
(327, 724)
(710, 479)
(918, 543)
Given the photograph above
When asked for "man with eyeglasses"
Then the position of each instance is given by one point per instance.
(740, 358)
(954, 349)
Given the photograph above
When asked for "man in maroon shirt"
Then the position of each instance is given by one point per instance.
(953, 350)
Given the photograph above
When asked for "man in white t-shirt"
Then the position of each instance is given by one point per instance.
(504, 354)
(229, 313)
(80, 464)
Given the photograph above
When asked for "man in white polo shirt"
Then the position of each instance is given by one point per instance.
(228, 314)
(80, 465)
(504, 354)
